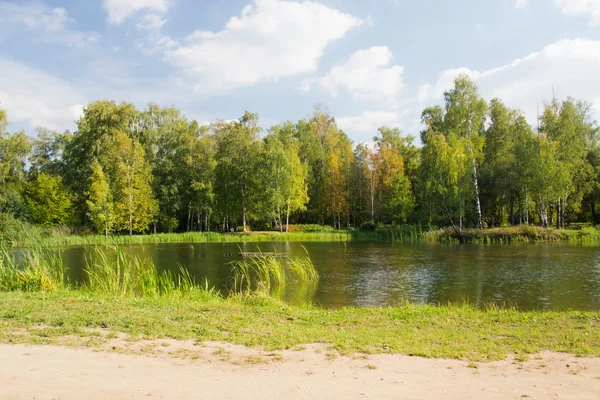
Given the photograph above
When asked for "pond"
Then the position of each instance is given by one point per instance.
(359, 274)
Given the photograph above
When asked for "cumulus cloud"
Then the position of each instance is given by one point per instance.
(368, 121)
(36, 98)
(151, 22)
(590, 8)
(564, 68)
(55, 24)
(119, 10)
(269, 40)
(366, 75)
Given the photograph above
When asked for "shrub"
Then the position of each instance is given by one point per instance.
(368, 227)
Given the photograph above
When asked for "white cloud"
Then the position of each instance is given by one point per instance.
(590, 8)
(31, 96)
(367, 75)
(54, 23)
(564, 68)
(151, 22)
(521, 3)
(369, 121)
(120, 10)
(269, 40)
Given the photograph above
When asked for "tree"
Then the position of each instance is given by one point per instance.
(48, 200)
(14, 149)
(498, 173)
(100, 200)
(164, 134)
(444, 172)
(465, 117)
(285, 174)
(199, 174)
(568, 126)
(135, 206)
(94, 139)
(394, 190)
(362, 185)
(237, 155)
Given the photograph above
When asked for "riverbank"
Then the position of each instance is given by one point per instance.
(180, 370)
(49, 237)
(81, 318)
(21, 234)
(513, 234)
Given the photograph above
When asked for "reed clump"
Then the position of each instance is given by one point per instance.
(118, 273)
(260, 274)
(31, 270)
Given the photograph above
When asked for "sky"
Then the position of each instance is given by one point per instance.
(372, 63)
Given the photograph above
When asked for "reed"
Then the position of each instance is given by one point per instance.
(32, 270)
(261, 274)
(117, 273)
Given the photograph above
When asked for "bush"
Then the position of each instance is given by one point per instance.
(368, 227)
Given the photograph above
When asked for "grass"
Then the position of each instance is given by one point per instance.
(261, 273)
(452, 331)
(118, 273)
(512, 234)
(31, 270)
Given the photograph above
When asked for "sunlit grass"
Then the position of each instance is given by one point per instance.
(31, 270)
(260, 273)
(450, 331)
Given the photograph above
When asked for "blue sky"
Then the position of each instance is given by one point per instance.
(372, 63)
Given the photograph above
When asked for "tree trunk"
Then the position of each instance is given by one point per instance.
(287, 219)
(593, 210)
(477, 200)
(244, 217)
(130, 215)
(543, 214)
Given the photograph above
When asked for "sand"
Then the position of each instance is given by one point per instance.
(183, 370)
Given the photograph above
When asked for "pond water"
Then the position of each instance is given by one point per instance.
(528, 276)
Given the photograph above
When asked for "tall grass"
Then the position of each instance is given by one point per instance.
(261, 274)
(513, 234)
(32, 270)
(119, 273)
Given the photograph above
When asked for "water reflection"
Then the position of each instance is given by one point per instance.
(529, 276)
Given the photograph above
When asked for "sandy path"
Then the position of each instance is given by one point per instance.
(49, 372)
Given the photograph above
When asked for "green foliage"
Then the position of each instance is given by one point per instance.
(49, 202)
(135, 171)
(134, 204)
(368, 227)
(100, 201)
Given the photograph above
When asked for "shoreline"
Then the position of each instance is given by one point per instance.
(399, 234)
(454, 331)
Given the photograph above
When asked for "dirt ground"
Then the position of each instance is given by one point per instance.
(184, 370)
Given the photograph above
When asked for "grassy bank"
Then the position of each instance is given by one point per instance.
(35, 236)
(514, 234)
(461, 332)
(127, 295)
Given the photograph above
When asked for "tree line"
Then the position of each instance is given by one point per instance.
(480, 165)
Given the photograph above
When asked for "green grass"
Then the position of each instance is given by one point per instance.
(262, 273)
(126, 294)
(513, 234)
(118, 273)
(32, 270)
(454, 331)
